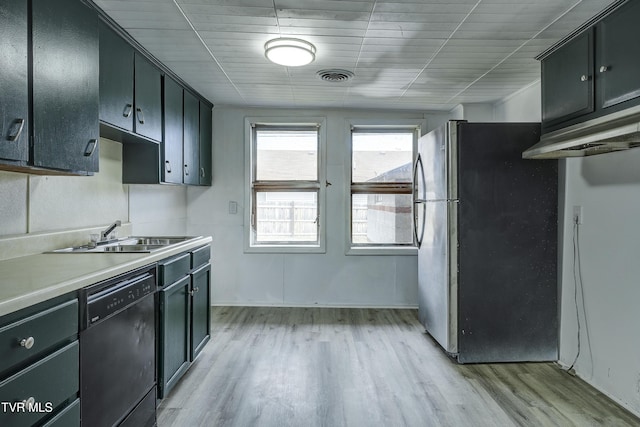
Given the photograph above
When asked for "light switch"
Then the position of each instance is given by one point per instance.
(233, 208)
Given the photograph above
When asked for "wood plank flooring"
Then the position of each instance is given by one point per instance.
(365, 367)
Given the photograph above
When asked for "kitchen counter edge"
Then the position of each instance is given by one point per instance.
(32, 279)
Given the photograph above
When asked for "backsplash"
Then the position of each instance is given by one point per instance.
(36, 204)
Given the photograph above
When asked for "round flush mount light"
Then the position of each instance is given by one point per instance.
(289, 52)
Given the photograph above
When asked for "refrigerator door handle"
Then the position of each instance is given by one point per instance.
(418, 201)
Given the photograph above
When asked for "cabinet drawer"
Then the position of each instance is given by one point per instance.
(200, 256)
(41, 332)
(48, 383)
(68, 417)
(173, 269)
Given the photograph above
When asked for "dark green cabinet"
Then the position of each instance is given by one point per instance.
(39, 364)
(14, 96)
(130, 92)
(206, 129)
(567, 81)
(595, 73)
(65, 86)
(618, 56)
(200, 309)
(173, 361)
(184, 156)
(116, 80)
(173, 132)
(148, 99)
(184, 326)
(191, 151)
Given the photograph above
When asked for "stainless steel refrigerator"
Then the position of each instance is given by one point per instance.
(486, 225)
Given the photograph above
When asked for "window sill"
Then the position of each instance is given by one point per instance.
(388, 250)
(285, 249)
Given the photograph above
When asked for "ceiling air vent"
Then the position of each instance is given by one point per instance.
(334, 75)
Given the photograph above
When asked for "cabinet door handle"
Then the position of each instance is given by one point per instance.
(91, 147)
(604, 69)
(140, 115)
(584, 78)
(202, 172)
(27, 342)
(186, 170)
(16, 129)
(167, 166)
(29, 402)
(127, 110)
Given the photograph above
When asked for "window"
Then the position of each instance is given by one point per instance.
(381, 187)
(286, 196)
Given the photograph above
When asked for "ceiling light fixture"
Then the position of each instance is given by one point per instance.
(289, 52)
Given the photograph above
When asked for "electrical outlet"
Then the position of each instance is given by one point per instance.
(233, 208)
(578, 217)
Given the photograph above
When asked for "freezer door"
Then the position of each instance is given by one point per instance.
(432, 148)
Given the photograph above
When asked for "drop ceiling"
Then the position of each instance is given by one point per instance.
(405, 54)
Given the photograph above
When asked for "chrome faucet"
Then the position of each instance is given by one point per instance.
(105, 233)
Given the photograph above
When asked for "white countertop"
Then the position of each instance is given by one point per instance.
(32, 279)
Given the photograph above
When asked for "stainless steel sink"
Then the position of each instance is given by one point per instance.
(133, 244)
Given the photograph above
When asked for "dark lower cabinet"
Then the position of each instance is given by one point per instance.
(173, 361)
(39, 365)
(184, 321)
(14, 101)
(65, 86)
(206, 173)
(200, 309)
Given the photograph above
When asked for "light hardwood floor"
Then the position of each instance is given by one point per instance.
(365, 367)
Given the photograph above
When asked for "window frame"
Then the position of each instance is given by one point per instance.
(252, 186)
(378, 126)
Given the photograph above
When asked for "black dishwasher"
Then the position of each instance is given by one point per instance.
(117, 351)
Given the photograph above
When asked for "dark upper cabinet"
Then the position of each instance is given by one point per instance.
(172, 141)
(618, 56)
(148, 99)
(567, 81)
(116, 79)
(191, 150)
(130, 91)
(205, 145)
(595, 73)
(65, 86)
(14, 96)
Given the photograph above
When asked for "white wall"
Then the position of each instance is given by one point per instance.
(522, 106)
(607, 187)
(158, 210)
(330, 279)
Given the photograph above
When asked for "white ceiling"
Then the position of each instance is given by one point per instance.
(406, 54)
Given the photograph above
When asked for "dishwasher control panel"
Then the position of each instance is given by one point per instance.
(108, 298)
